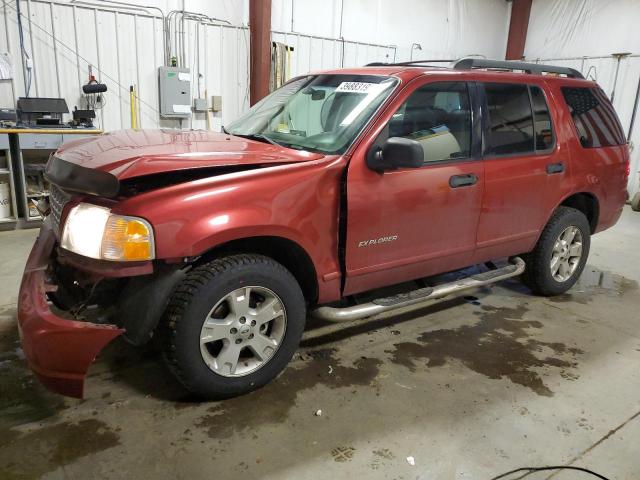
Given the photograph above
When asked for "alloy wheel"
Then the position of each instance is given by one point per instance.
(566, 254)
(243, 331)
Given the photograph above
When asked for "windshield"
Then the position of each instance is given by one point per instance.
(321, 113)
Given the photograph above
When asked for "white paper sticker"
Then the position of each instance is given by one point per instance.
(184, 77)
(356, 87)
(182, 109)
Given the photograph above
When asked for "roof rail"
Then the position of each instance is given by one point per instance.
(532, 68)
(407, 64)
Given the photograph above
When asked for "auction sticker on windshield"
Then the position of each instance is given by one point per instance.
(356, 87)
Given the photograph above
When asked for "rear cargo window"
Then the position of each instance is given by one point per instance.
(541, 119)
(510, 118)
(594, 117)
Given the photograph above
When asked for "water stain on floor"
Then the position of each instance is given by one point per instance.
(382, 457)
(242, 414)
(594, 281)
(30, 455)
(498, 346)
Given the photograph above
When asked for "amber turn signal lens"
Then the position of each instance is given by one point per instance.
(127, 239)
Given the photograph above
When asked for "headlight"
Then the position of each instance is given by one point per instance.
(95, 232)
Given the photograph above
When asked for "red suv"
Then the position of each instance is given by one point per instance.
(338, 183)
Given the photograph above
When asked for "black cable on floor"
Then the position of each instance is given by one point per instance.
(531, 470)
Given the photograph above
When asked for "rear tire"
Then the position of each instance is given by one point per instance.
(232, 325)
(635, 202)
(557, 261)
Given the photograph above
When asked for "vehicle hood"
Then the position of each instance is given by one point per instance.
(134, 153)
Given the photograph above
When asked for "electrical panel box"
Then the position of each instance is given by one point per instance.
(216, 103)
(174, 92)
(200, 104)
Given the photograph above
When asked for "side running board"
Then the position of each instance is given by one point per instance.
(419, 296)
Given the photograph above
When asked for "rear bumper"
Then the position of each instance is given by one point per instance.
(58, 350)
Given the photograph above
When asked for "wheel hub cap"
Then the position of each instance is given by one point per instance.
(243, 331)
(566, 254)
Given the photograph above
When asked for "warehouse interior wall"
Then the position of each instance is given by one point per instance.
(584, 34)
(124, 45)
(442, 28)
(123, 42)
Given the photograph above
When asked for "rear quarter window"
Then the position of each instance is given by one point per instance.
(596, 121)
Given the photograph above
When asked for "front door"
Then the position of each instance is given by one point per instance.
(414, 222)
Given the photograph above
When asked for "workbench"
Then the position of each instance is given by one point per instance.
(23, 155)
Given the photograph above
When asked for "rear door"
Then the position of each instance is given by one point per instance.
(414, 222)
(524, 168)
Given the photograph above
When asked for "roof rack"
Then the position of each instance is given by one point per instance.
(470, 63)
(531, 68)
(407, 64)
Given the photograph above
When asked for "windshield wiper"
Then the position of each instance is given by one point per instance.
(260, 137)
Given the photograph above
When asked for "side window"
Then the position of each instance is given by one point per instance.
(510, 119)
(438, 116)
(542, 119)
(594, 117)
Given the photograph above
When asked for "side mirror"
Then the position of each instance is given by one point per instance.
(396, 152)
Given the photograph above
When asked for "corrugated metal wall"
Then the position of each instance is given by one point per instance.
(317, 53)
(125, 48)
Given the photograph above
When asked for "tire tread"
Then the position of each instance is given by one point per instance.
(534, 275)
(195, 280)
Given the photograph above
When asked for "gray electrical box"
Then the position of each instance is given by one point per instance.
(216, 103)
(200, 105)
(174, 92)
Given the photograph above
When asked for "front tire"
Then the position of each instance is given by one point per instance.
(560, 255)
(232, 325)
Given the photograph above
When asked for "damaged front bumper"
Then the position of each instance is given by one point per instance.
(57, 349)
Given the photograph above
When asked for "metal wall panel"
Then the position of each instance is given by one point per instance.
(319, 53)
(125, 48)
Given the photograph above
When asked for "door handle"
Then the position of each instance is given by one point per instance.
(463, 180)
(555, 168)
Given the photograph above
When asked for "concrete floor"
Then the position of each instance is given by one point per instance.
(470, 389)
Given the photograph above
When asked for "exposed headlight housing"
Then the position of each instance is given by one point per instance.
(94, 232)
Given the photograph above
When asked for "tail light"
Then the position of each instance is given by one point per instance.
(627, 160)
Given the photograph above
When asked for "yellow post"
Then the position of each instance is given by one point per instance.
(132, 102)
(208, 112)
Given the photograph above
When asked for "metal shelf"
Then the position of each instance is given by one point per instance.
(7, 171)
(31, 147)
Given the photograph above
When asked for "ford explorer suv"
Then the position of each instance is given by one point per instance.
(219, 245)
